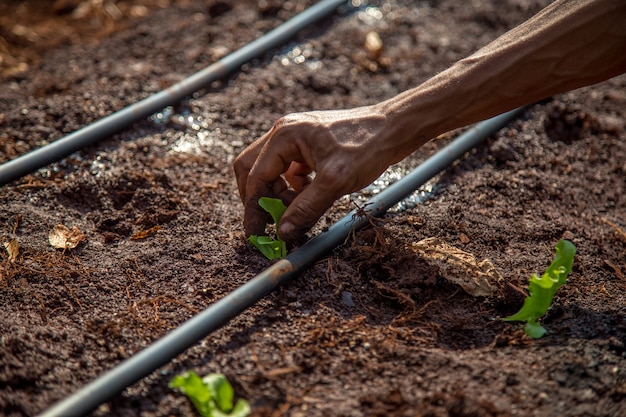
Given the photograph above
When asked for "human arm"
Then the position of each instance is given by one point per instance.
(567, 45)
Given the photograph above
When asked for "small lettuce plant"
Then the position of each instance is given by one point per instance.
(542, 290)
(212, 395)
(271, 248)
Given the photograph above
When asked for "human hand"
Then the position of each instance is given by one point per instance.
(346, 150)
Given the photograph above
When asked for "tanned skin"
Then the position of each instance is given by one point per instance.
(569, 44)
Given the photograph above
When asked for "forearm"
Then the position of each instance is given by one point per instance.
(569, 44)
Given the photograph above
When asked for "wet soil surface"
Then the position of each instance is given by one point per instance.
(371, 329)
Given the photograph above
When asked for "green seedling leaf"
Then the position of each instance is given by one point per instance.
(222, 390)
(271, 248)
(212, 395)
(542, 289)
(198, 393)
(274, 206)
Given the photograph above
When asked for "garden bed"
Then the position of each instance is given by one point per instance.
(372, 329)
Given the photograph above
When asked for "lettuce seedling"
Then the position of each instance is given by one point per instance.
(212, 395)
(542, 290)
(271, 248)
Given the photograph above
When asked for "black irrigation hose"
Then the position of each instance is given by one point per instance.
(115, 122)
(218, 314)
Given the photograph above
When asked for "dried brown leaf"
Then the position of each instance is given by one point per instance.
(61, 237)
(13, 249)
(459, 267)
(145, 233)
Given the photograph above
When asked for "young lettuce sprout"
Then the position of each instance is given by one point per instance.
(212, 395)
(271, 248)
(542, 290)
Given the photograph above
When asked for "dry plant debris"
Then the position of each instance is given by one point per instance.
(13, 249)
(62, 237)
(143, 234)
(459, 267)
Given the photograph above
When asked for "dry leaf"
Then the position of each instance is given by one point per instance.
(61, 237)
(145, 233)
(13, 249)
(459, 267)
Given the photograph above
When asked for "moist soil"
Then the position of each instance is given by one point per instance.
(371, 328)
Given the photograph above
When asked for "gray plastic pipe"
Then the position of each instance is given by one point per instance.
(221, 312)
(115, 122)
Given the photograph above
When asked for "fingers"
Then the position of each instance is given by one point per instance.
(304, 211)
(256, 218)
(244, 163)
(259, 174)
(298, 176)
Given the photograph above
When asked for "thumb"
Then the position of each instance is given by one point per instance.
(305, 210)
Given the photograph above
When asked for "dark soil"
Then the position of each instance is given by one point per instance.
(369, 330)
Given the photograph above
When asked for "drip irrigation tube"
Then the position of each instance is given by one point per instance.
(115, 122)
(218, 314)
